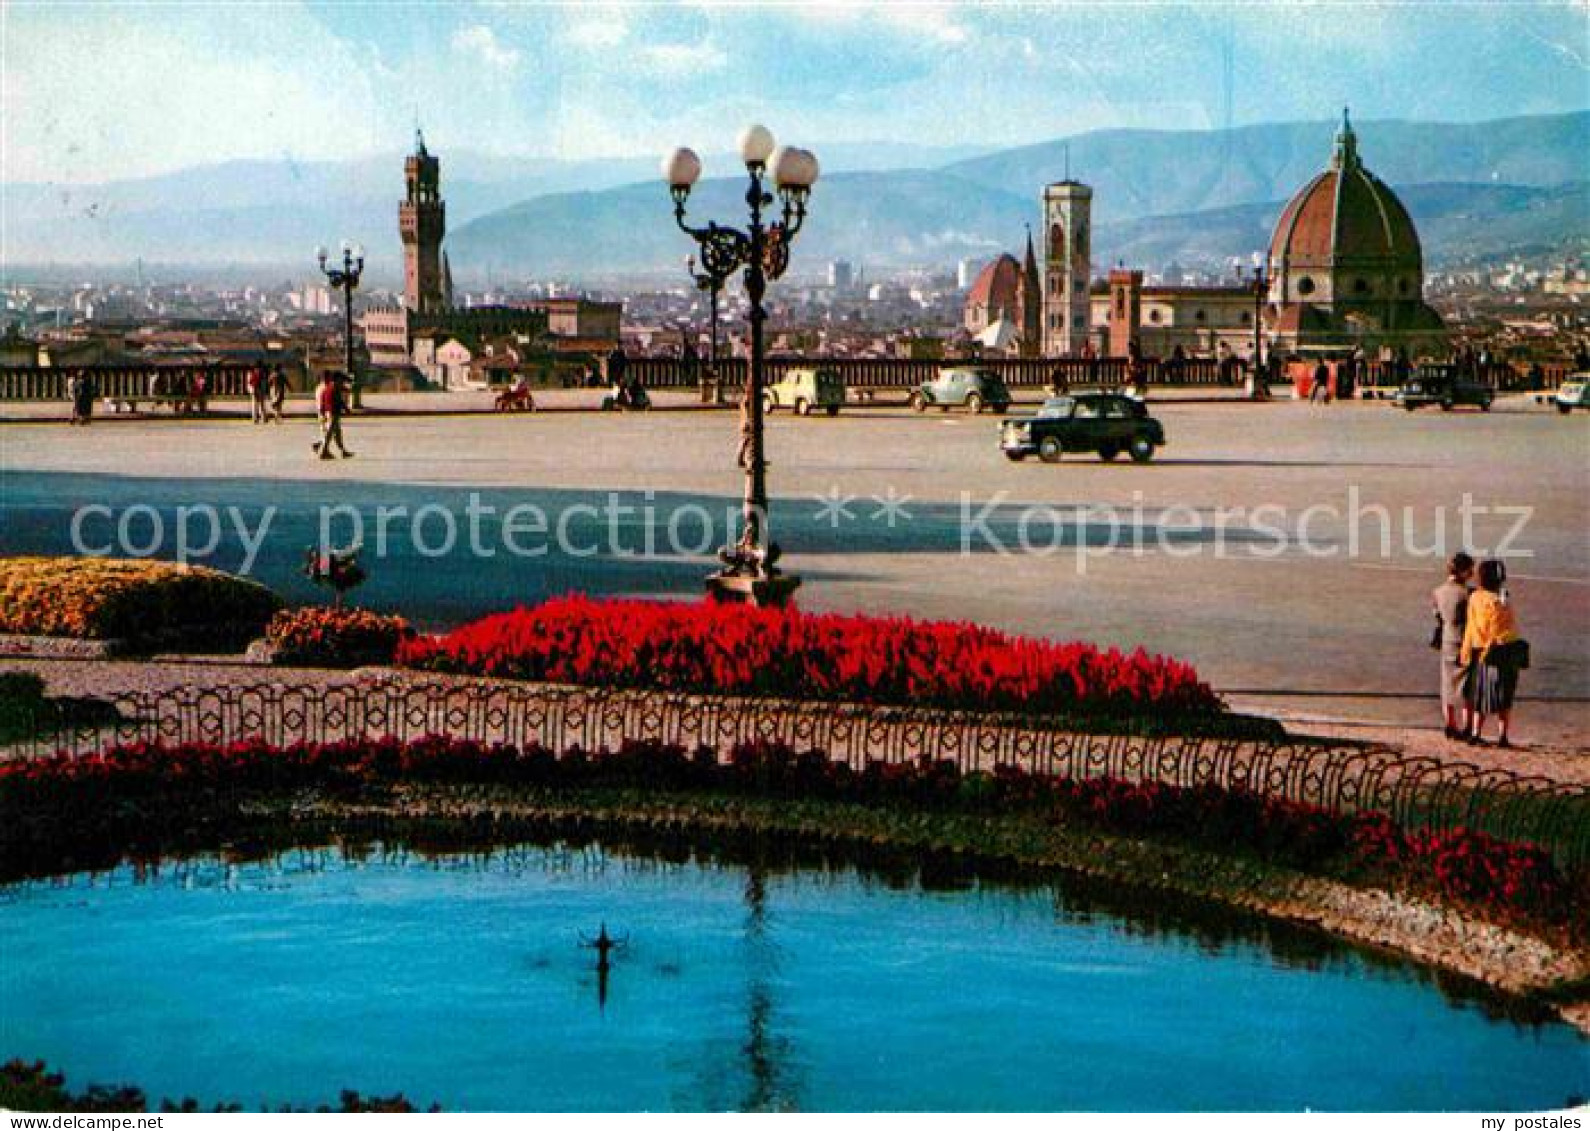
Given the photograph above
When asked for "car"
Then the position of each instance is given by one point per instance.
(1438, 387)
(963, 386)
(806, 389)
(1573, 393)
(1105, 423)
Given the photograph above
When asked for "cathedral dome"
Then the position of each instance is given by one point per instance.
(1346, 246)
(998, 288)
(1345, 216)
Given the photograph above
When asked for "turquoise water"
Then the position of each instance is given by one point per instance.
(461, 980)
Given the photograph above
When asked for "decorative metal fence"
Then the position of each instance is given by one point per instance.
(1417, 792)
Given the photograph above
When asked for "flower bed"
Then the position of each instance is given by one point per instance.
(731, 650)
(137, 601)
(1503, 879)
(335, 637)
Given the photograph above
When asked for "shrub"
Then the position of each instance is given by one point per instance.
(335, 637)
(137, 600)
(1463, 864)
(732, 650)
(31, 1086)
(1504, 878)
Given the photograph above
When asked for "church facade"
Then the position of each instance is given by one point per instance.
(1345, 271)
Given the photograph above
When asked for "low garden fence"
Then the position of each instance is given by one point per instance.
(1417, 792)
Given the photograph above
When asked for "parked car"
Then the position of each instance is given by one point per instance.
(1437, 387)
(1573, 393)
(1106, 423)
(805, 390)
(963, 386)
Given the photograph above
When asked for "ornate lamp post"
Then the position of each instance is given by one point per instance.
(1261, 284)
(713, 286)
(346, 279)
(750, 573)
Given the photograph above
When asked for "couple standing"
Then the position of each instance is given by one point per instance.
(1481, 649)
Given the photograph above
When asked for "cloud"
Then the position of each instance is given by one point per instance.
(679, 59)
(597, 33)
(935, 21)
(482, 43)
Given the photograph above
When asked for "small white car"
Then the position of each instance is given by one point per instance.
(1573, 393)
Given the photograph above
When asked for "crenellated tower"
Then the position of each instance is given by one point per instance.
(422, 220)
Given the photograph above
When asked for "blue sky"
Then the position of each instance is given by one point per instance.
(94, 91)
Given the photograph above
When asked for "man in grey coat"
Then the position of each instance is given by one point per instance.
(1451, 602)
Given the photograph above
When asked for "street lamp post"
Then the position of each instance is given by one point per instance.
(346, 279)
(713, 286)
(750, 573)
(1261, 283)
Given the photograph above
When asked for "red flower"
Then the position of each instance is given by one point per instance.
(727, 650)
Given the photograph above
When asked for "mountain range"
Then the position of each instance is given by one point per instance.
(1475, 189)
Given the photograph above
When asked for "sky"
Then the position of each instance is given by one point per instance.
(99, 90)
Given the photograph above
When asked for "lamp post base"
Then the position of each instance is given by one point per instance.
(748, 589)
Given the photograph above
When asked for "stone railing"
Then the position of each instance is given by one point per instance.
(122, 382)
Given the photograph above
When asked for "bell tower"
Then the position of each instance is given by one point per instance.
(422, 220)
(1067, 267)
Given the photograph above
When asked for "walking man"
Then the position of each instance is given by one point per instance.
(332, 404)
(255, 385)
(1450, 600)
(276, 395)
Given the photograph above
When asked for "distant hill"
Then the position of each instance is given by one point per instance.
(894, 217)
(905, 218)
(275, 212)
(1456, 222)
(1136, 173)
(1159, 196)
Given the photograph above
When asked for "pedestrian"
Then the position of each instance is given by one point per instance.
(254, 384)
(1136, 372)
(1450, 600)
(199, 391)
(77, 393)
(1320, 391)
(276, 395)
(1178, 362)
(332, 405)
(689, 360)
(1493, 652)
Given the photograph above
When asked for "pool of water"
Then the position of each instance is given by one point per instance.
(463, 980)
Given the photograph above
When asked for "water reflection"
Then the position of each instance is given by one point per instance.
(764, 975)
(1127, 912)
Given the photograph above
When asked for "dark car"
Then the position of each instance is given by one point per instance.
(1106, 423)
(1439, 386)
(963, 385)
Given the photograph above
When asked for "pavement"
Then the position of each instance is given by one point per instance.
(1285, 549)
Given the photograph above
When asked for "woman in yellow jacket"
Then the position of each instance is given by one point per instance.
(1492, 652)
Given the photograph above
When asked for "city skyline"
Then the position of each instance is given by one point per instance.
(320, 81)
